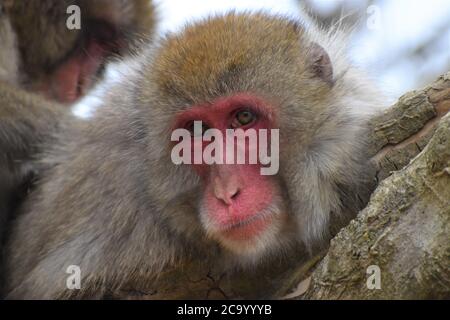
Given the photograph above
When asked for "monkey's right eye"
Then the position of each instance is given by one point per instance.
(194, 128)
(243, 118)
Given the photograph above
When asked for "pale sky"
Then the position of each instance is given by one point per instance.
(404, 23)
(381, 51)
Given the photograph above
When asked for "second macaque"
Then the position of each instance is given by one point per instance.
(115, 204)
(46, 66)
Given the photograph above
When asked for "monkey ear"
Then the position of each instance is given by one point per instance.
(320, 63)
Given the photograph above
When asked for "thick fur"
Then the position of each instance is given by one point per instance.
(34, 40)
(26, 121)
(44, 39)
(113, 203)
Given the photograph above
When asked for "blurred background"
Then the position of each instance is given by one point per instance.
(402, 44)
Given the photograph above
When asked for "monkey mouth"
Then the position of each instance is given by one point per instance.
(248, 229)
(76, 75)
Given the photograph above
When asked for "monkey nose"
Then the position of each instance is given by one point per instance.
(226, 190)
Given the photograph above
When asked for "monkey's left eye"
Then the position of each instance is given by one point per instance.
(243, 118)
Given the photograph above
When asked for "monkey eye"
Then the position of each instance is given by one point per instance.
(190, 126)
(243, 118)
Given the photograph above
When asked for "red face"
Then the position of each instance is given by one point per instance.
(240, 207)
(74, 76)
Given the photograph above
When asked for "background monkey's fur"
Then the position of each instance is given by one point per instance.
(34, 42)
(44, 40)
(112, 202)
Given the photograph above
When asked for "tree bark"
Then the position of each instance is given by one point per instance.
(405, 228)
(402, 237)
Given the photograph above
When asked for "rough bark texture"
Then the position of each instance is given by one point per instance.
(404, 230)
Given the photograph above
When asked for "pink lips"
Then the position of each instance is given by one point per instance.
(248, 229)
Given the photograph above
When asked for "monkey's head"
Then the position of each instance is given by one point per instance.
(64, 44)
(254, 73)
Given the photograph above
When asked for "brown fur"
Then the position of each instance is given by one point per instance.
(45, 42)
(113, 203)
(34, 40)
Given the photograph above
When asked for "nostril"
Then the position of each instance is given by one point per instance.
(226, 189)
(234, 196)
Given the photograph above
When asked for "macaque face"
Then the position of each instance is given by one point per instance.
(64, 44)
(240, 206)
(232, 73)
(74, 75)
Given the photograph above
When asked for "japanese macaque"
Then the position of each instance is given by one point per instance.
(113, 203)
(45, 65)
(57, 56)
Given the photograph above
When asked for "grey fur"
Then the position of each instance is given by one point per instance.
(114, 204)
